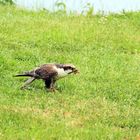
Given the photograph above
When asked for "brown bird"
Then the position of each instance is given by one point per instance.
(49, 73)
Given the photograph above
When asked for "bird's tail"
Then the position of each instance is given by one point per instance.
(29, 74)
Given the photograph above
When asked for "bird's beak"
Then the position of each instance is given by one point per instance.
(76, 71)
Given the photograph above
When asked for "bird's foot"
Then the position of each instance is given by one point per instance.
(23, 88)
(51, 90)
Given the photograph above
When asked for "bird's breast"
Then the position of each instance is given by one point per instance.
(61, 72)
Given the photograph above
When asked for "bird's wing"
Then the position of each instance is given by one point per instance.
(46, 71)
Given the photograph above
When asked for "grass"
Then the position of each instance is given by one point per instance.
(102, 102)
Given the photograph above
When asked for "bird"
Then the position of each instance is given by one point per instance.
(49, 73)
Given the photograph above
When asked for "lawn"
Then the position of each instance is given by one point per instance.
(101, 103)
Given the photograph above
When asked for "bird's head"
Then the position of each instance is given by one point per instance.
(70, 68)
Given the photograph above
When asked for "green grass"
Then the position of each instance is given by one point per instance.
(101, 103)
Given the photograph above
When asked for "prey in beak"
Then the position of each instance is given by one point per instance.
(76, 71)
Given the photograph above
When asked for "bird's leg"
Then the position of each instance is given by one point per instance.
(52, 85)
(49, 84)
(29, 81)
